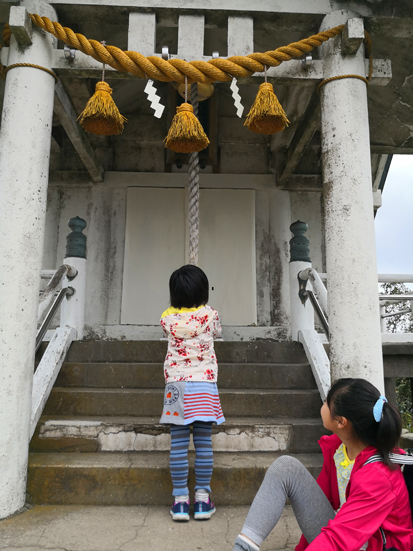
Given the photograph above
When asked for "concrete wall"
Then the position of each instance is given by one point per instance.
(103, 206)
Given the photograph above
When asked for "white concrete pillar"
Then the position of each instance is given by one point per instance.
(24, 166)
(355, 336)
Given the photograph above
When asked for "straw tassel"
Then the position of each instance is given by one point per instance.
(186, 134)
(266, 115)
(101, 116)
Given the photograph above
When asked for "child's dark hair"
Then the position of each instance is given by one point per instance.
(354, 399)
(188, 287)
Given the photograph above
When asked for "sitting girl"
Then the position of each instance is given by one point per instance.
(351, 500)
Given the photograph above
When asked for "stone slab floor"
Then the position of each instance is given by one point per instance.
(89, 528)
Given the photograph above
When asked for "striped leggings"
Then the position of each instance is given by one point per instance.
(178, 462)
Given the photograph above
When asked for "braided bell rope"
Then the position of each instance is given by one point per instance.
(193, 201)
(175, 70)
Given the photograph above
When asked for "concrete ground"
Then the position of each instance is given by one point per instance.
(90, 528)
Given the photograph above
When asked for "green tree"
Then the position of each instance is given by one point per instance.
(402, 323)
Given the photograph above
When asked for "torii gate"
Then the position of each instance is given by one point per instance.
(30, 98)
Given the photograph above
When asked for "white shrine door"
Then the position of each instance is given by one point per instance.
(156, 244)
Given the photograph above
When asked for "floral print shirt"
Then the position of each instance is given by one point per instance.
(191, 333)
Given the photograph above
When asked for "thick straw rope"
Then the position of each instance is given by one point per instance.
(175, 70)
(331, 79)
(367, 51)
(193, 206)
(31, 65)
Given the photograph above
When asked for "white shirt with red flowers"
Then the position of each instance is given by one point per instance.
(191, 333)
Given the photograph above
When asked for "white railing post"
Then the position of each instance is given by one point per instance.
(73, 307)
(302, 313)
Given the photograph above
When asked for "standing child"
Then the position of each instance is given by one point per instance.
(191, 393)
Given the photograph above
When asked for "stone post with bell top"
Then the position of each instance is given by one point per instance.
(302, 313)
(73, 307)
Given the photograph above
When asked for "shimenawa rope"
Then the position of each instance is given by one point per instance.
(221, 70)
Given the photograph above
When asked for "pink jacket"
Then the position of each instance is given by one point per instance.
(376, 497)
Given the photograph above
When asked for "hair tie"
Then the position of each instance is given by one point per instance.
(378, 409)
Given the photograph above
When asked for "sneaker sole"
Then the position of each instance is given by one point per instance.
(204, 516)
(180, 517)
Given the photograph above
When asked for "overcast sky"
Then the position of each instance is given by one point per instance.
(394, 219)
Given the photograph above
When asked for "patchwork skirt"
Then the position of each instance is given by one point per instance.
(189, 401)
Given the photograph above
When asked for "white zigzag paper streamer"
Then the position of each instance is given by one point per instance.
(237, 97)
(150, 90)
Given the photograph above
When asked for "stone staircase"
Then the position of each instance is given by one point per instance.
(99, 441)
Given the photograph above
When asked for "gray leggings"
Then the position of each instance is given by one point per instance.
(288, 478)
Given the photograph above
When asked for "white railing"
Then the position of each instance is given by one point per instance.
(384, 278)
(385, 300)
(303, 276)
(72, 278)
(317, 296)
(48, 370)
(54, 355)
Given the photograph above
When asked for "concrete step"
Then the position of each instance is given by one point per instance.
(155, 351)
(143, 478)
(122, 434)
(149, 402)
(150, 375)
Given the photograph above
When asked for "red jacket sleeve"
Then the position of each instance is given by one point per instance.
(371, 500)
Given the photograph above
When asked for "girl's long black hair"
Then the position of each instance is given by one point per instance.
(354, 399)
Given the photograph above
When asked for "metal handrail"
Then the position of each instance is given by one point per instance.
(318, 286)
(66, 291)
(318, 310)
(49, 291)
(318, 298)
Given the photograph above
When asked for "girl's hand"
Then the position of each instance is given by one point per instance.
(216, 326)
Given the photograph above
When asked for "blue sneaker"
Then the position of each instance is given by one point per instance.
(180, 511)
(204, 510)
